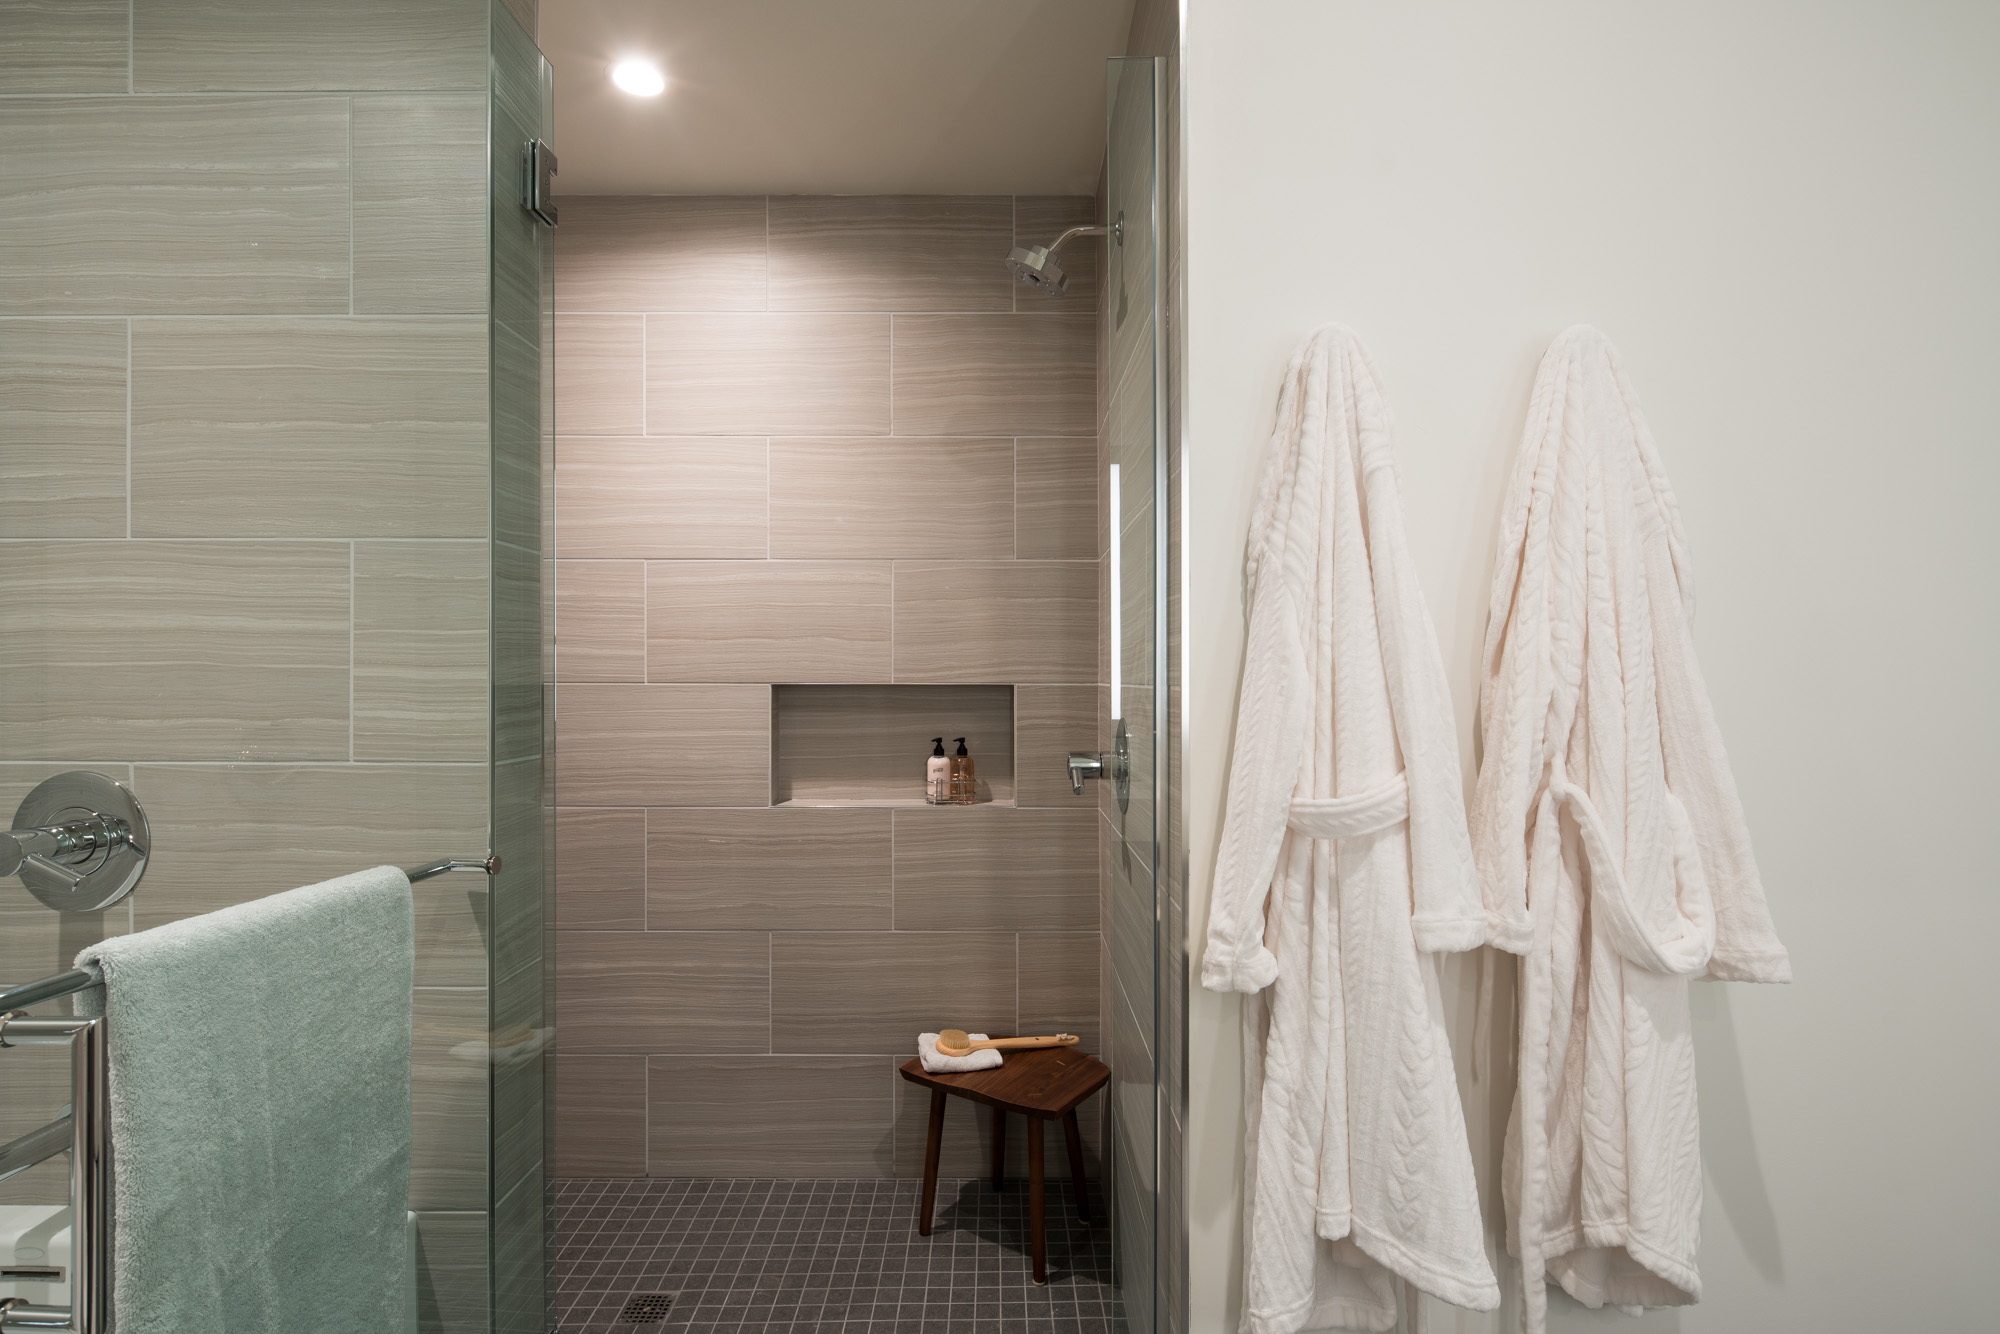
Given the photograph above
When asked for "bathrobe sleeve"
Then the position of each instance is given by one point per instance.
(1746, 942)
(1275, 705)
(1447, 913)
(1272, 723)
(1504, 791)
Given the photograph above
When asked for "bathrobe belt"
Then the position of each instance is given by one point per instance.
(1349, 817)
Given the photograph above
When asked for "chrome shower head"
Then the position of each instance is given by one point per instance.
(1036, 267)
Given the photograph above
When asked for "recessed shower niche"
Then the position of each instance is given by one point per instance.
(865, 745)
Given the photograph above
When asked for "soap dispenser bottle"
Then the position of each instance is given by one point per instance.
(961, 776)
(937, 774)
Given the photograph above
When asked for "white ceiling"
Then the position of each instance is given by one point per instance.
(834, 96)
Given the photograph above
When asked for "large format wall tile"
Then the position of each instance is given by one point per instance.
(841, 499)
(452, 1273)
(1033, 374)
(767, 621)
(1055, 499)
(366, 427)
(420, 650)
(601, 1116)
(447, 1100)
(661, 497)
(791, 1116)
(992, 868)
(660, 253)
(1026, 621)
(874, 991)
(601, 869)
(602, 636)
(600, 374)
(213, 205)
(62, 418)
(1058, 981)
(189, 650)
(225, 834)
(776, 374)
(798, 870)
(664, 991)
(664, 745)
(64, 46)
(194, 45)
(1049, 723)
(890, 252)
(420, 187)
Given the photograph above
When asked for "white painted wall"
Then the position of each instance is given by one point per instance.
(1786, 216)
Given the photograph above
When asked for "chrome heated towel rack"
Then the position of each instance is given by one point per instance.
(83, 1130)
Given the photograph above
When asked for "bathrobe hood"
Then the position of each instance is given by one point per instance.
(1344, 858)
(1611, 845)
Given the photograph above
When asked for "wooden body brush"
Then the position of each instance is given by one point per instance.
(954, 1042)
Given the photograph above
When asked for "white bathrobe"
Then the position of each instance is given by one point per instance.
(1344, 856)
(1611, 847)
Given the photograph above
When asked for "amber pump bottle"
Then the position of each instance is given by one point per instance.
(962, 786)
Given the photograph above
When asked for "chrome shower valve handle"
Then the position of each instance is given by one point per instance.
(80, 842)
(1082, 765)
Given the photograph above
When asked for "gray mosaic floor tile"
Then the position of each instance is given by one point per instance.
(764, 1256)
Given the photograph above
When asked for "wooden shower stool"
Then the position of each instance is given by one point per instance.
(1040, 1083)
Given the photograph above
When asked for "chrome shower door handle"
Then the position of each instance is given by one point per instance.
(1082, 765)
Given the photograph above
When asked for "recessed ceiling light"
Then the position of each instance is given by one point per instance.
(641, 78)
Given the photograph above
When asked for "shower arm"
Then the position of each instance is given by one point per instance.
(1115, 230)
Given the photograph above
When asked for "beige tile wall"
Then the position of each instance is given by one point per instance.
(814, 440)
(244, 484)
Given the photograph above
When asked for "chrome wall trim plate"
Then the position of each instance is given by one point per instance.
(79, 842)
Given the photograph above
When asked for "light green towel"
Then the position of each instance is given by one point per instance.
(260, 1112)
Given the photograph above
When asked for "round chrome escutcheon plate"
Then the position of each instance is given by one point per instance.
(94, 880)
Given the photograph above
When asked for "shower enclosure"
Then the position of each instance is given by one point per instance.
(1133, 435)
(276, 445)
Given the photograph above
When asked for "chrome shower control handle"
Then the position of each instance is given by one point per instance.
(1082, 765)
(80, 842)
(62, 844)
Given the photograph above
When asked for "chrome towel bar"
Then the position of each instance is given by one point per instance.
(64, 984)
(84, 1129)
(490, 865)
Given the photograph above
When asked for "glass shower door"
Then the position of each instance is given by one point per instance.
(1135, 603)
(274, 463)
(521, 994)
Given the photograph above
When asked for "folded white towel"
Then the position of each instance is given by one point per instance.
(983, 1059)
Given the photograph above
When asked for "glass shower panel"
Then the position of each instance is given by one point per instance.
(521, 999)
(275, 436)
(1135, 492)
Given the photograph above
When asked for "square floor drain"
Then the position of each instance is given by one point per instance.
(648, 1308)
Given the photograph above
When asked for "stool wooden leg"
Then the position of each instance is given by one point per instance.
(999, 1148)
(1038, 1242)
(932, 1147)
(1073, 1136)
